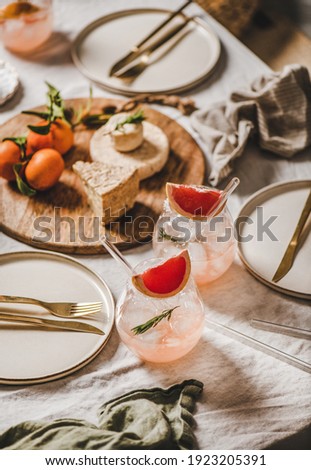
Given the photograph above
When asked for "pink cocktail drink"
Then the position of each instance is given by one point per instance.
(172, 337)
(210, 242)
(25, 25)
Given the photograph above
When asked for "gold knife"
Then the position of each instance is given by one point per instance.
(62, 325)
(144, 59)
(137, 50)
(289, 255)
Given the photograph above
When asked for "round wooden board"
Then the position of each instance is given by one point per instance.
(61, 220)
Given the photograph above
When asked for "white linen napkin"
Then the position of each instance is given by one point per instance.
(276, 109)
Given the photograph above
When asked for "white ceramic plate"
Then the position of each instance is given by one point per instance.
(108, 39)
(9, 82)
(286, 201)
(35, 355)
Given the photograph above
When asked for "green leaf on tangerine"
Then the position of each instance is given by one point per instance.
(42, 130)
(40, 114)
(52, 90)
(22, 186)
(20, 141)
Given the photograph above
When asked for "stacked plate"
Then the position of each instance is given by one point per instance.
(180, 66)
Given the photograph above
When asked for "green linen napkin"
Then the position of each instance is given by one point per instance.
(142, 419)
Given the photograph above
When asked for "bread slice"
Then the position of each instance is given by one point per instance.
(148, 158)
(111, 189)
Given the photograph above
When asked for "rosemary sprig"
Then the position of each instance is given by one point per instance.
(165, 236)
(140, 329)
(135, 118)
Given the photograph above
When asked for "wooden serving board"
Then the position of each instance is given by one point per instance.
(60, 218)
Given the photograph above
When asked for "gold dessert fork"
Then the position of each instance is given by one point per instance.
(60, 309)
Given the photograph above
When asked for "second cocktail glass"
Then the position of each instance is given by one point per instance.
(25, 25)
(207, 233)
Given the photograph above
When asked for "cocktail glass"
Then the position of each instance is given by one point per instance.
(211, 242)
(25, 25)
(157, 329)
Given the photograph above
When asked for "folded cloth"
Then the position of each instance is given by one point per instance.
(277, 108)
(142, 419)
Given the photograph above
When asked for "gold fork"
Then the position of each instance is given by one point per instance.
(145, 59)
(60, 309)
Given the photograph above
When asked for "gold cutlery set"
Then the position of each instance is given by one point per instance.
(140, 56)
(66, 310)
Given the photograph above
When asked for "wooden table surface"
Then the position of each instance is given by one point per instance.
(274, 38)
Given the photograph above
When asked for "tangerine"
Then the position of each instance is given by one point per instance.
(59, 138)
(10, 154)
(44, 169)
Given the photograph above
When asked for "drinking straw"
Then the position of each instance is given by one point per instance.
(263, 347)
(282, 329)
(117, 255)
(231, 186)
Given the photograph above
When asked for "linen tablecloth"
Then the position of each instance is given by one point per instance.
(250, 400)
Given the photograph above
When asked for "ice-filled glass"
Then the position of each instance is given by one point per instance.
(211, 243)
(25, 25)
(174, 335)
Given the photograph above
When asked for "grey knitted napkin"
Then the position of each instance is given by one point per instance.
(276, 109)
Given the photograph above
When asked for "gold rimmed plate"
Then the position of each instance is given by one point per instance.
(278, 207)
(36, 355)
(191, 60)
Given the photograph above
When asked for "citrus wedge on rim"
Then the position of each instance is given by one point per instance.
(194, 202)
(166, 279)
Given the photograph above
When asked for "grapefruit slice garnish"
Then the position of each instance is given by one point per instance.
(166, 279)
(194, 202)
